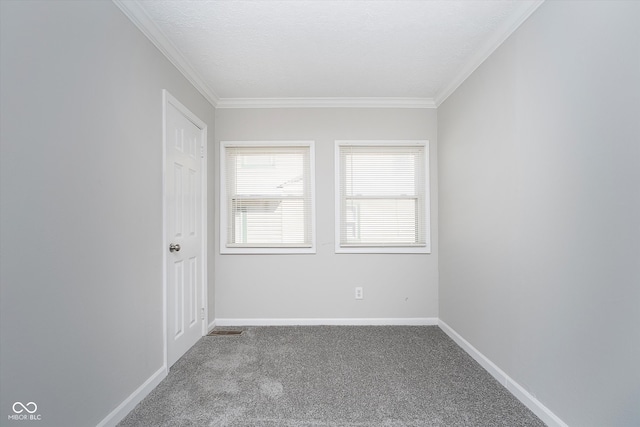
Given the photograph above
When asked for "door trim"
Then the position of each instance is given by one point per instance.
(168, 99)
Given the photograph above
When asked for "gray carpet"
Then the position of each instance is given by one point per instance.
(365, 376)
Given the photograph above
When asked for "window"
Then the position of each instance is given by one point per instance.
(382, 196)
(267, 200)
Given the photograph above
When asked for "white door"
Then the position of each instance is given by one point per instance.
(184, 198)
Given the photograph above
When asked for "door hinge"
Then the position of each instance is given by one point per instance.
(202, 314)
(202, 151)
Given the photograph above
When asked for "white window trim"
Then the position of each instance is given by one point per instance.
(224, 249)
(426, 249)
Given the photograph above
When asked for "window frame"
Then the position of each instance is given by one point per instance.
(261, 248)
(382, 249)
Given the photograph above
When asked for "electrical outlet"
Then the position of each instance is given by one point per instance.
(359, 293)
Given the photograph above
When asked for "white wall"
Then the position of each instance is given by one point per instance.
(322, 285)
(81, 207)
(539, 158)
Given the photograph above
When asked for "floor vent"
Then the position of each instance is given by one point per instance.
(215, 333)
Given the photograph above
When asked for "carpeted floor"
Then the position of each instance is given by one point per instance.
(365, 376)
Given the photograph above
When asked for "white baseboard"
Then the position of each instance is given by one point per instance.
(211, 325)
(410, 321)
(136, 397)
(541, 411)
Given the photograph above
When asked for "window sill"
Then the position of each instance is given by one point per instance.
(383, 250)
(266, 251)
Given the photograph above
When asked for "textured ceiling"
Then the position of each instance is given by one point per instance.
(334, 49)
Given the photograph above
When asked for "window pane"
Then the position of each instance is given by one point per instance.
(269, 221)
(274, 174)
(381, 221)
(381, 174)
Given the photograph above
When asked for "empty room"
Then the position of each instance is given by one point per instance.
(319, 213)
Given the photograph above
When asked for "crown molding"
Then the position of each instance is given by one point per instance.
(326, 103)
(136, 13)
(141, 19)
(499, 37)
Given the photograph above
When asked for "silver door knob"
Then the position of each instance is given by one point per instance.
(174, 247)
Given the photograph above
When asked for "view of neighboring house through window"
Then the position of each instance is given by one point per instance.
(267, 203)
(382, 196)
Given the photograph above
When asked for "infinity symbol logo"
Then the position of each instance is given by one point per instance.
(22, 407)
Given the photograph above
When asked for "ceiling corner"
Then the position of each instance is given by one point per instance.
(493, 43)
(140, 18)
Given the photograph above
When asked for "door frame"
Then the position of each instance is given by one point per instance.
(168, 99)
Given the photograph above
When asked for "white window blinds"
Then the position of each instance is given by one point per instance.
(382, 194)
(268, 196)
